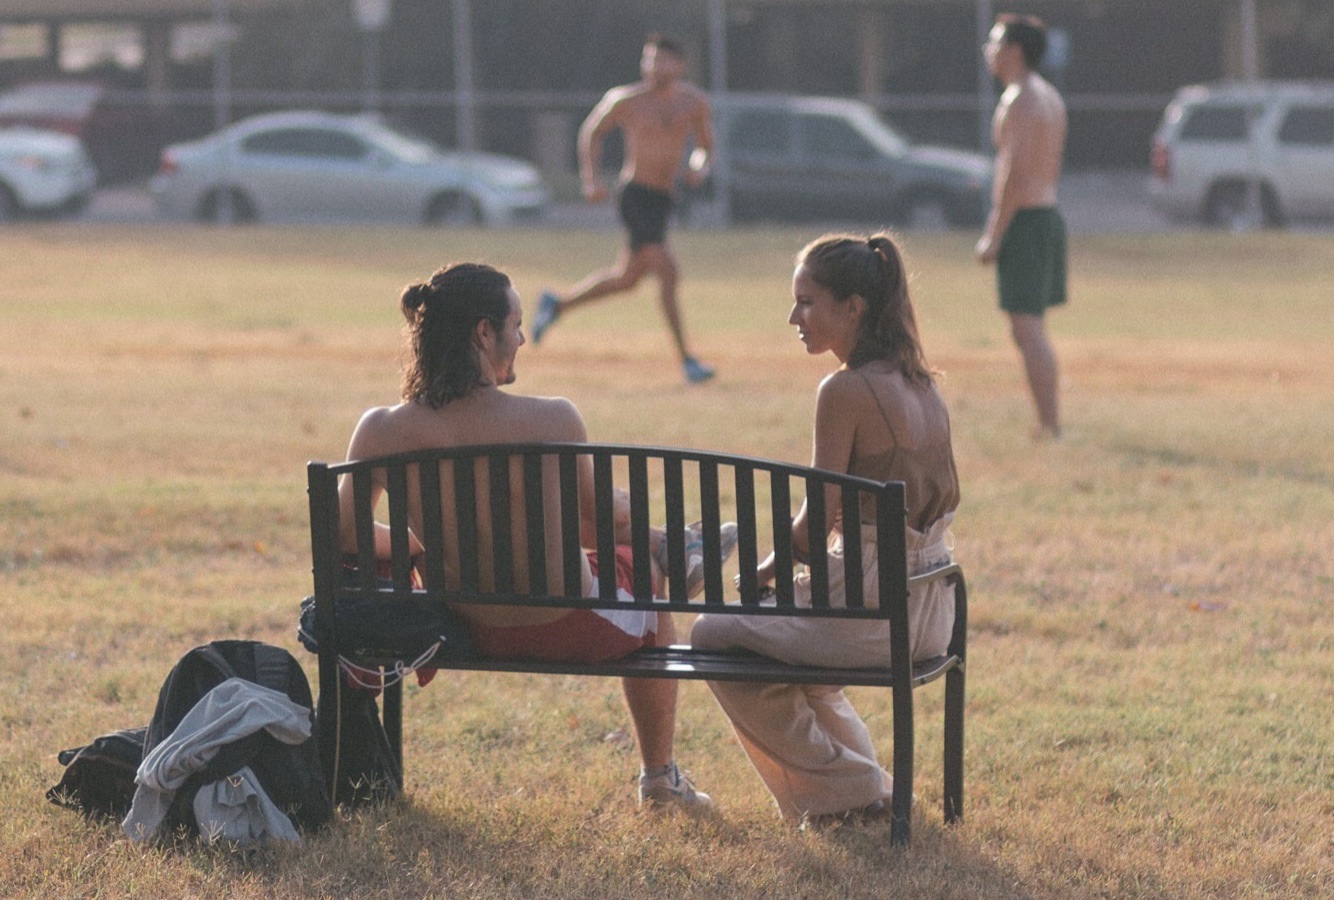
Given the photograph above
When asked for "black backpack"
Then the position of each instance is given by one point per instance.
(290, 774)
(99, 777)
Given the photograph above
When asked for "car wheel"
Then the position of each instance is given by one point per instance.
(1234, 205)
(225, 206)
(1269, 205)
(9, 205)
(453, 208)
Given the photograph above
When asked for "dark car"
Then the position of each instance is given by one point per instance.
(812, 158)
(121, 134)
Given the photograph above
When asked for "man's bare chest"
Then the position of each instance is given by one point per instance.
(664, 115)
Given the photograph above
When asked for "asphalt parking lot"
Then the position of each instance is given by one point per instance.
(1096, 201)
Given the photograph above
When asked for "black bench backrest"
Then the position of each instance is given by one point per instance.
(760, 500)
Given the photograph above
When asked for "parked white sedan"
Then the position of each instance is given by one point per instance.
(42, 171)
(314, 166)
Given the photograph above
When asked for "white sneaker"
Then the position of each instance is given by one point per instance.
(548, 309)
(693, 540)
(672, 790)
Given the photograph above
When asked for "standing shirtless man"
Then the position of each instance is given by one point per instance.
(658, 115)
(1025, 233)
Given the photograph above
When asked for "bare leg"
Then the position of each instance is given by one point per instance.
(652, 705)
(627, 271)
(1030, 336)
(663, 264)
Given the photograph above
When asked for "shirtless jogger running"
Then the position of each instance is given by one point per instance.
(658, 115)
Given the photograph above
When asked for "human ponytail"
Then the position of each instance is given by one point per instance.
(440, 361)
(873, 269)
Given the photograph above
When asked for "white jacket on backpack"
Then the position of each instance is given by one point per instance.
(234, 808)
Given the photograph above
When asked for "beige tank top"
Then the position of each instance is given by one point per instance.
(928, 473)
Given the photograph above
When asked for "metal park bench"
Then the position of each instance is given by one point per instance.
(669, 481)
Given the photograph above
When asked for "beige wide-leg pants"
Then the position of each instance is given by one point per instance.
(807, 742)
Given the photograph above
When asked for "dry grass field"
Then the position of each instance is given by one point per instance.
(1151, 672)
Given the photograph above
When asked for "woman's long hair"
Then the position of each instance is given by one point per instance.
(442, 313)
(871, 267)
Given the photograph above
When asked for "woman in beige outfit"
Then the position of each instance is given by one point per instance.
(880, 416)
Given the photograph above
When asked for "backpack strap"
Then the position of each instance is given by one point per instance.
(272, 667)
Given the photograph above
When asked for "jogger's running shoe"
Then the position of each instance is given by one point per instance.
(695, 371)
(548, 309)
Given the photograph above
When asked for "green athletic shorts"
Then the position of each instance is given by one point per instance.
(1030, 266)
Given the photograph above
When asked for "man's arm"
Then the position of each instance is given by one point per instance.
(701, 158)
(1009, 133)
(604, 117)
(835, 429)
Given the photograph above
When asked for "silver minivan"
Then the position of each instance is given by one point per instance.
(1234, 154)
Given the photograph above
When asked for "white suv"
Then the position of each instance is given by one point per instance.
(1234, 154)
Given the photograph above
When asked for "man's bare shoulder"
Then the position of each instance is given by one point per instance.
(624, 93)
(693, 93)
(1034, 98)
(377, 431)
(550, 418)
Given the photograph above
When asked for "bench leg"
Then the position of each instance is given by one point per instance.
(328, 715)
(900, 833)
(954, 694)
(392, 717)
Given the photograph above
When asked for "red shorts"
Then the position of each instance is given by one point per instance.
(581, 636)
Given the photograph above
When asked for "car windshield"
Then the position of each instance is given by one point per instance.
(409, 147)
(878, 132)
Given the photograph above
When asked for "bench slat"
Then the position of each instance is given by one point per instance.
(400, 551)
(639, 524)
(606, 525)
(569, 524)
(433, 523)
(853, 592)
(465, 501)
(747, 545)
(535, 511)
(781, 505)
(364, 518)
(674, 497)
(817, 561)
